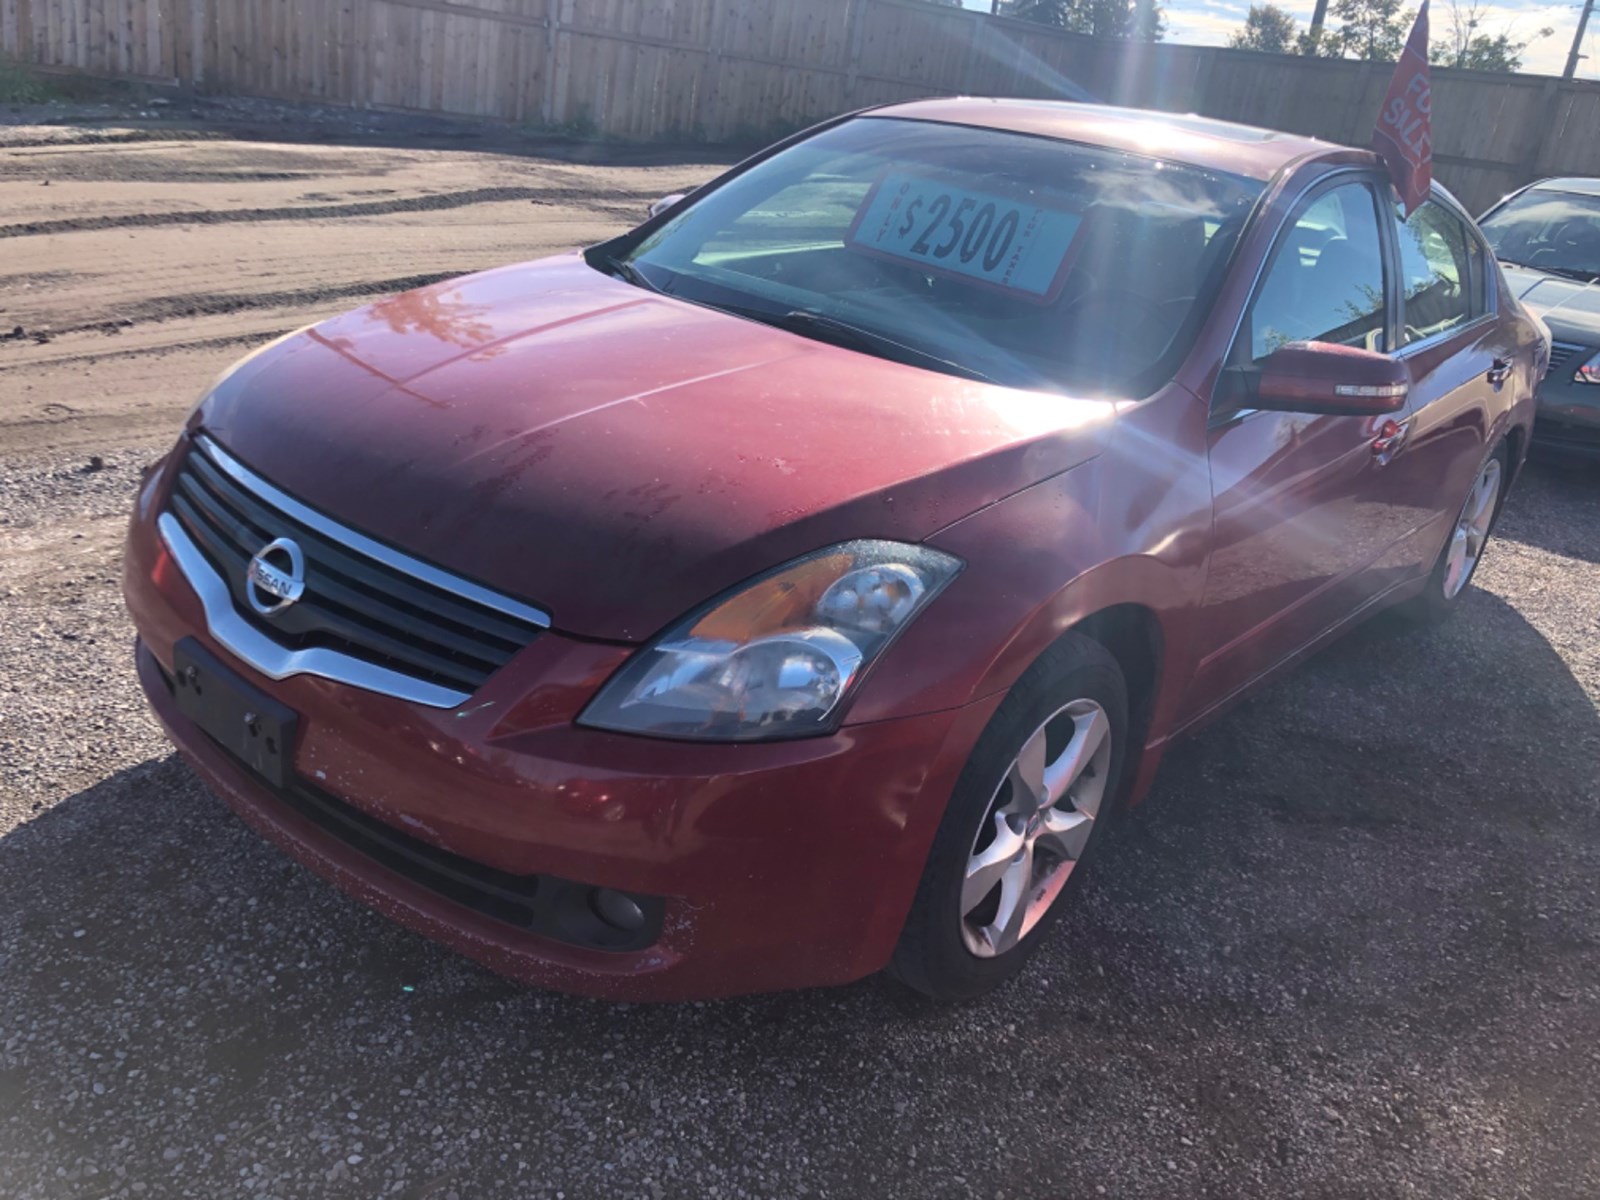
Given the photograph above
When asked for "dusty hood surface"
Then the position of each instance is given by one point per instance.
(1569, 307)
(616, 456)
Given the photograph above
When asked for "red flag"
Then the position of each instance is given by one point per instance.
(1404, 133)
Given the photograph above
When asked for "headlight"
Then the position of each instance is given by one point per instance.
(1589, 372)
(775, 658)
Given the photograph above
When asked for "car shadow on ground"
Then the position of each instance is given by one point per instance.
(1355, 920)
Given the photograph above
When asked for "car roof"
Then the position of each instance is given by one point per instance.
(1199, 141)
(1570, 183)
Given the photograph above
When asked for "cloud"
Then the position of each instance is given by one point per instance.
(1194, 22)
(1201, 28)
(1213, 22)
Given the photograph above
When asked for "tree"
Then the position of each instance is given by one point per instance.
(1042, 12)
(1372, 29)
(1463, 46)
(1318, 43)
(1141, 20)
(1268, 28)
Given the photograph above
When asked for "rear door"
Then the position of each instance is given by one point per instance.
(1461, 357)
(1303, 504)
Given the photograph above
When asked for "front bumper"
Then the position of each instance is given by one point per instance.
(777, 865)
(1568, 418)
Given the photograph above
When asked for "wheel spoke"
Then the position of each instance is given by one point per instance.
(1455, 563)
(1064, 833)
(1016, 885)
(1087, 738)
(1484, 495)
(986, 869)
(1028, 775)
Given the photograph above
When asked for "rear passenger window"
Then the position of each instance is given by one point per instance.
(1435, 273)
(1325, 281)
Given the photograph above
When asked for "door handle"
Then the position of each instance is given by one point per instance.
(1390, 437)
(1498, 372)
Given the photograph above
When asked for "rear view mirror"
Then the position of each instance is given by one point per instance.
(1319, 377)
(666, 202)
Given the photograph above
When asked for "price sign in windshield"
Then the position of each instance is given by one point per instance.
(1008, 244)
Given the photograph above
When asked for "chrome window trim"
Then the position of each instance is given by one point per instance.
(349, 539)
(250, 645)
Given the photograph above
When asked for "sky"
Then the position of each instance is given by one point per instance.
(1211, 22)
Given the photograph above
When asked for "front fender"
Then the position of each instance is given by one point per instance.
(1129, 527)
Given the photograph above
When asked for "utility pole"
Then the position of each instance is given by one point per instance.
(1577, 41)
(1319, 15)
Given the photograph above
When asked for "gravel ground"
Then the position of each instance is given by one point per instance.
(1348, 947)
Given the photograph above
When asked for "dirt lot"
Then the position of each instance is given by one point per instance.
(1348, 947)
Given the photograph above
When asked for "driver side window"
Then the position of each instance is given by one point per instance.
(1325, 281)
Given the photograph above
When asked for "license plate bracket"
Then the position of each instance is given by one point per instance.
(246, 722)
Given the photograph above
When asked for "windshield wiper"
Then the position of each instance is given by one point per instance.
(855, 337)
(1577, 273)
(625, 270)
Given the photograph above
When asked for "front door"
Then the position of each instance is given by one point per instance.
(1302, 503)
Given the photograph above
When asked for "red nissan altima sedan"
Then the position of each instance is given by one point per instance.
(793, 587)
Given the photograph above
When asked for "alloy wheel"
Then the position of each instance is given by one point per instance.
(1472, 529)
(1035, 828)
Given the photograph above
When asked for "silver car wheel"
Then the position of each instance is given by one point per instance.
(1472, 529)
(1035, 828)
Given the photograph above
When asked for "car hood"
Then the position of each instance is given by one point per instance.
(618, 456)
(1571, 308)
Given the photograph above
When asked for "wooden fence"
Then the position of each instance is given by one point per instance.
(726, 70)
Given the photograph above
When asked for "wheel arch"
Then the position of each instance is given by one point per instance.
(1133, 635)
(1516, 439)
(1145, 640)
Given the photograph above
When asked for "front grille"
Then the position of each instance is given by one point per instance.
(369, 608)
(1560, 354)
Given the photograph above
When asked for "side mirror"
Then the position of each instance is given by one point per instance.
(1318, 377)
(666, 202)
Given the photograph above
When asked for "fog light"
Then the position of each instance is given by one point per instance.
(617, 910)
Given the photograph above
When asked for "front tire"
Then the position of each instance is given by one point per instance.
(1031, 801)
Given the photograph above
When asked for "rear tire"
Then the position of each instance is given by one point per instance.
(1007, 856)
(1463, 550)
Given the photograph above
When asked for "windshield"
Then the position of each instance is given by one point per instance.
(1028, 261)
(1549, 231)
